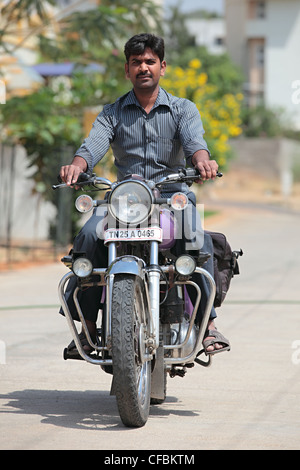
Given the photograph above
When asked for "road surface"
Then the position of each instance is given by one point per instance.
(247, 399)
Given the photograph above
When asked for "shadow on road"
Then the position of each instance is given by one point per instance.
(88, 410)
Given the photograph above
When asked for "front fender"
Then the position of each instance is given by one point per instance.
(127, 265)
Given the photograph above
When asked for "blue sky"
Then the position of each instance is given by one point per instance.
(190, 5)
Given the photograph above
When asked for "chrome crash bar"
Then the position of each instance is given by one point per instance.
(96, 359)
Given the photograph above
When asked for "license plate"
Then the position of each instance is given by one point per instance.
(135, 234)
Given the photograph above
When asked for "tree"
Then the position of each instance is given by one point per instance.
(220, 112)
(49, 121)
(177, 38)
(14, 12)
(212, 82)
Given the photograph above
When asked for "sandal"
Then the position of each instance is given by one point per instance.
(217, 337)
(72, 349)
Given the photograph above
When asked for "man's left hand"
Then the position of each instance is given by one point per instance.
(206, 167)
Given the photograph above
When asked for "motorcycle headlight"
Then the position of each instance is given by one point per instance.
(185, 265)
(131, 202)
(82, 267)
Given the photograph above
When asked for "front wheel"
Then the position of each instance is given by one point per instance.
(131, 375)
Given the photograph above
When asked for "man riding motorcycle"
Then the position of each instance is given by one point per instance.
(152, 134)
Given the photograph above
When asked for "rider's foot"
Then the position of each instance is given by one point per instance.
(215, 346)
(91, 326)
(85, 344)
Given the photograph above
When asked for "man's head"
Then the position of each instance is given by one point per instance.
(138, 44)
(145, 61)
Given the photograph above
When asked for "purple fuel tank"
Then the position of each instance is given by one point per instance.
(169, 228)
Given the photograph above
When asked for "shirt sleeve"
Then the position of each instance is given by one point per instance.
(96, 145)
(191, 131)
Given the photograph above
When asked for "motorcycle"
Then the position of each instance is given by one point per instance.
(149, 328)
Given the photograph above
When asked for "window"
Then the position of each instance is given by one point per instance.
(261, 9)
(260, 55)
(219, 41)
(256, 9)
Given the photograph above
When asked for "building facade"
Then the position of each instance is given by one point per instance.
(262, 37)
(209, 33)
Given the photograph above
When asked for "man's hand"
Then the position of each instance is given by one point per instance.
(70, 173)
(206, 167)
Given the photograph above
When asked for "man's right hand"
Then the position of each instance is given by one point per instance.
(70, 173)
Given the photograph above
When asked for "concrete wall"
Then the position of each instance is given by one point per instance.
(25, 215)
(275, 158)
(282, 55)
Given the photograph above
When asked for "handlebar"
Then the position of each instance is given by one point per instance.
(187, 175)
(84, 179)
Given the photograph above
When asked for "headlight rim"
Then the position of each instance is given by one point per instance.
(151, 200)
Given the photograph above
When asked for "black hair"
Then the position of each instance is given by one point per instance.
(138, 43)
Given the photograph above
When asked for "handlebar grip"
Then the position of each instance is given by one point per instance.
(83, 177)
(194, 172)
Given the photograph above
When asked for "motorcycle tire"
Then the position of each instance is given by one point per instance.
(132, 376)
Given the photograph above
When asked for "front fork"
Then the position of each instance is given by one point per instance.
(154, 292)
(152, 287)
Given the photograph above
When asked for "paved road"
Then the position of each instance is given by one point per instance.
(248, 399)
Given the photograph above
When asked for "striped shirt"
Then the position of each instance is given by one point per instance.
(151, 145)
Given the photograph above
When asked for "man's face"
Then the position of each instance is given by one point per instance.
(145, 70)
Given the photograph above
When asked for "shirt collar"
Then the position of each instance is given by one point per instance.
(161, 100)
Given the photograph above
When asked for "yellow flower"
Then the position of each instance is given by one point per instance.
(202, 79)
(221, 147)
(222, 161)
(195, 64)
(234, 131)
(220, 114)
(215, 133)
(179, 72)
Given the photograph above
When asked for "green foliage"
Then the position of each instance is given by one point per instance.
(220, 71)
(47, 131)
(37, 119)
(261, 122)
(49, 122)
(99, 34)
(220, 112)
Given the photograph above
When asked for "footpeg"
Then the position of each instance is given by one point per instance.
(180, 372)
(67, 355)
(76, 356)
